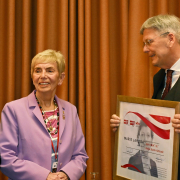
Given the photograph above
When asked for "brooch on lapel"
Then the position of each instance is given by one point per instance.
(63, 115)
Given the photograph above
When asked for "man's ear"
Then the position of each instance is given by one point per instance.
(61, 78)
(171, 38)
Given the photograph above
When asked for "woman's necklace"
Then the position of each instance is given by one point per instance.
(50, 128)
(45, 117)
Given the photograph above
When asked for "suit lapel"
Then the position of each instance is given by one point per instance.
(174, 93)
(158, 82)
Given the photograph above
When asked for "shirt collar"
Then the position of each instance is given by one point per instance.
(175, 67)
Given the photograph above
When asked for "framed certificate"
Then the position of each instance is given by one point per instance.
(146, 146)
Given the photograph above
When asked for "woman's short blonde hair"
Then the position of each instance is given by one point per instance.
(49, 56)
(163, 23)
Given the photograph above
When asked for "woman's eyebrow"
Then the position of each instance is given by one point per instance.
(37, 68)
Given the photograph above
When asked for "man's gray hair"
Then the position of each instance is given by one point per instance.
(163, 23)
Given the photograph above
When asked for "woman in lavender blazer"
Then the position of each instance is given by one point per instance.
(40, 135)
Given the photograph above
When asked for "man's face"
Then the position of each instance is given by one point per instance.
(158, 48)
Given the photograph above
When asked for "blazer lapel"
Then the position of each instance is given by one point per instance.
(62, 116)
(36, 111)
(35, 108)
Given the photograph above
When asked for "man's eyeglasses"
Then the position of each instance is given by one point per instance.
(148, 42)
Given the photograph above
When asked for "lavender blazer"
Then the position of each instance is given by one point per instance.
(25, 144)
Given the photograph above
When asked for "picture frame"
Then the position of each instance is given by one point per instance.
(146, 146)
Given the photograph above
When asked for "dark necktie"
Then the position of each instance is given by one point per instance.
(168, 83)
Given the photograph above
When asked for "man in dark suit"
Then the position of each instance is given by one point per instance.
(161, 37)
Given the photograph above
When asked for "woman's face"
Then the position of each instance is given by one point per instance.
(145, 138)
(46, 77)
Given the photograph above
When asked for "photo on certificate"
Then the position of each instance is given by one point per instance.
(146, 146)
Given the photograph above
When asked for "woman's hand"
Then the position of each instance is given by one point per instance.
(62, 175)
(53, 176)
(114, 122)
(176, 123)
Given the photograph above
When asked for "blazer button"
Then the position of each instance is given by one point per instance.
(60, 164)
(60, 141)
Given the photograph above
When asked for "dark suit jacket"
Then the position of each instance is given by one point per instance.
(158, 82)
(173, 95)
(136, 161)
